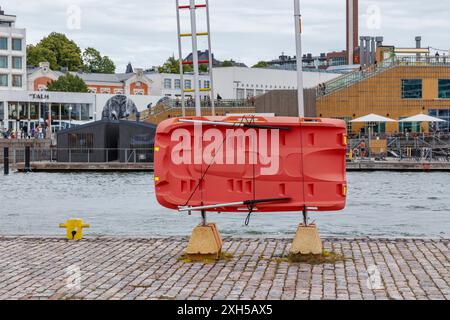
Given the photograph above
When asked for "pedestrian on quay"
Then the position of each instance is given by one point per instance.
(362, 147)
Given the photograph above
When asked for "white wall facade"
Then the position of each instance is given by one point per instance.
(238, 83)
(12, 33)
(241, 83)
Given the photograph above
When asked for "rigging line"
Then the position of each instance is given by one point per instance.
(252, 207)
(303, 169)
(209, 166)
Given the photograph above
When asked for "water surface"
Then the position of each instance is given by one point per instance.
(379, 204)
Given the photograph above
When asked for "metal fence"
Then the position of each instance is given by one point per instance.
(403, 148)
(72, 155)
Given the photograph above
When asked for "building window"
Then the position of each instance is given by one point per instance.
(92, 90)
(81, 142)
(3, 62)
(17, 62)
(412, 89)
(177, 84)
(3, 80)
(240, 94)
(207, 84)
(138, 92)
(118, 91)
(188, 84)
(17, 44)
(3, 43)
(444, 89)
(42, 87)
(17, 81)
(443, 114)
(167, 83)
(105, 90)
(404, 127)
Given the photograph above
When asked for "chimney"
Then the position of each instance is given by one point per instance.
(418, 44)
(352, 29)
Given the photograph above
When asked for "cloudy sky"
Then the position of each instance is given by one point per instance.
(144, 31)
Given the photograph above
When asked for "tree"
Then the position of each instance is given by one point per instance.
(65, 51)
(261, 64)
(227, 63)
(94, 62)
(38, 54)
(172, 65)
(68, 83)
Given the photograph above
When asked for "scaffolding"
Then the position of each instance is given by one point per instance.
(193, 34)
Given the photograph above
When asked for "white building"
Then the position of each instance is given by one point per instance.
(13, 65)
(241, 83)
(238, 82)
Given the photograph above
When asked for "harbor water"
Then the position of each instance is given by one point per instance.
(380, 204)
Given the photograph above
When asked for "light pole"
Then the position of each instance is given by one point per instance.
(298, 41)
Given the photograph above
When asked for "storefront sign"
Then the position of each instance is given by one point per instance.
(39, 96)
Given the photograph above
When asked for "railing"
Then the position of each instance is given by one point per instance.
(404, 148)
(348, 79)
(173, 104)
(85, 155)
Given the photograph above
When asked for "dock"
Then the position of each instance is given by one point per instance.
(414, 166)
(85, 167)
(47, 166)
(119, 268)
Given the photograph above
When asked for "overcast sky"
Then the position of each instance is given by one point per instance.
(144, 31)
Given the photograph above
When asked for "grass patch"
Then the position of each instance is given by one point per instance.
(314, 259)
(206, 259)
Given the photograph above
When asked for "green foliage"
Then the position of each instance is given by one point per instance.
(172, 65)
(38, 54)
(94, 62)
(60, 52)
(227, 63)
(66, 51)
(68, 83)
(261, 64)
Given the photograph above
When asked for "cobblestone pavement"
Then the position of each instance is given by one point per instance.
(124, 268)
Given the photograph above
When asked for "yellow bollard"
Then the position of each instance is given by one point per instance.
(74, 228)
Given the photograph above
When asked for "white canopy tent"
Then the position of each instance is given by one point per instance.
(373, 118)
(422, 118)
(419, 118)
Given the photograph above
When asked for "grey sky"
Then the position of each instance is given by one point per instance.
(144, 31)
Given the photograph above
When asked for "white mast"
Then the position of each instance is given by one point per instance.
(298, 38)
(198, 109)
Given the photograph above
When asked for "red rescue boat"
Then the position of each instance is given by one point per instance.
(263, 164)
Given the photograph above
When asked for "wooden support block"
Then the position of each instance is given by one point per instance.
(205, 242)
(307, 241)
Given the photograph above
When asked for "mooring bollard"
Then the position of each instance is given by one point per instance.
(6, 160)
(74, 228)
(27, 167)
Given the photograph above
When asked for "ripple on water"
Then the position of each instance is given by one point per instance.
(379, 204)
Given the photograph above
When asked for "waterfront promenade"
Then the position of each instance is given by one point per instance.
(132, 268)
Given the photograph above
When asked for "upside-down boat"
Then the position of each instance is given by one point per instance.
(258, 163)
